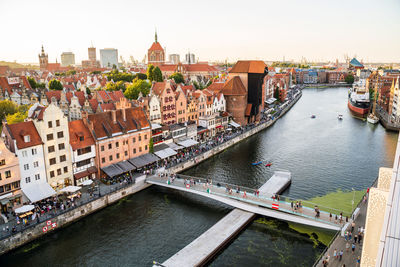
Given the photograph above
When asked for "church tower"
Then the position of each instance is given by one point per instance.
(156, 54)
(43, 60)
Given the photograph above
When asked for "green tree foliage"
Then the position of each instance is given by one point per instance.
(151, 145)
(141, 76)
(71, 72)
(349, 78)
(150, 72)
(40, 85)
(178, 77)
(157, 74)
(276, 94)
(137, 86)
(116, 76)
(88, 92)
(32, 82)
(16, 117)
(7, 107)
(55, 85)
(95, 72)
(120, 85)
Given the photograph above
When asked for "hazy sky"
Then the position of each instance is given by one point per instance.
(212, 30)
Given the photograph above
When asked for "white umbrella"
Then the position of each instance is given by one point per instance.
(87, 182)
(24, 209)
(70, 189)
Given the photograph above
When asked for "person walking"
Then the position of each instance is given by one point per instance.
(335, 254)
(340, 254)
(347, 246)
(355, 238)
(349, 236)
(353, 247)
(330, 216)
(359, 237)
(291, 204)
(353, 224)
(346, 236)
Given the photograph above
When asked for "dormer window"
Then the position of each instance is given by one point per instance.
(81, 138)
(27, 138)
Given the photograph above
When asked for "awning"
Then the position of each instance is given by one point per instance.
(219, 126)
(87, 182)
(70, 189)
(155, 126)
(143, 160)
(112, 170)
(24, 209)
(160, 147)
(188, 143)
(36, 192)
(234, 124)
(165, 153)
(85, 173)
(175, 146)
(126, 166)
(6, 195)
(270, 101)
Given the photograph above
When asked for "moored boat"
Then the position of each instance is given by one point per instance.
(372, 119)
(340, 116)
(256, 163)
(358, 101)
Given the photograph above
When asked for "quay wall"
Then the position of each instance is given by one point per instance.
(36, 231)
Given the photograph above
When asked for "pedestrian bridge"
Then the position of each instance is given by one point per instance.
(247, 199)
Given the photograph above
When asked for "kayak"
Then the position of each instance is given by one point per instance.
(256, 163)
(268, 165)
(313, 116)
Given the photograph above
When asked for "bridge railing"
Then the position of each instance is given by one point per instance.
(251, 196)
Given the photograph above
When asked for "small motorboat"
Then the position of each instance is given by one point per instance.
(256, 163)
(313, 116)
(268, 164)
(340, 116)
(372, 119)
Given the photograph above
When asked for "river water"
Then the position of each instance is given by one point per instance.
(323, 155)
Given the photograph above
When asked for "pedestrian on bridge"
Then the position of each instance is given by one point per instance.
(340, 254)
(291, 204)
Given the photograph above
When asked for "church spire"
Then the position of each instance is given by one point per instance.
(155, 36)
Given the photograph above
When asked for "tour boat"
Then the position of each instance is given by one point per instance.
(358, 101)
(340, 117)
(372, 119)
(313, 116)
(256, 163)
(268, 164)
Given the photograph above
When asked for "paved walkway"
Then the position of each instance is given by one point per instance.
(349, 259)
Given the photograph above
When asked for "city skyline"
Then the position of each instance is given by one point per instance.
(219, 31)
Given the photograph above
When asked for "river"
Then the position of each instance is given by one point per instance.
(323, 155)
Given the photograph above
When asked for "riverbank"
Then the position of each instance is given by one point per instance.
(38, 230)
(325, 85)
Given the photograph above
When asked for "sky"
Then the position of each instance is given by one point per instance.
(212, 30)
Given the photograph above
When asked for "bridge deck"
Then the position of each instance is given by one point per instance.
(261, 204)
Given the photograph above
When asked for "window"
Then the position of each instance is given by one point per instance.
(2, 162)
(24, 153)
(145, 147)
(52, 161)
(145, 136)
(140, 149)
(7, 187)
(50, 124)
(51, 149)
(63, 158)
(134, 151)
(110, 158)
(58, 171)
(26, 167)
(36, 164)
(49, 137)
(65, 169)
(117, 144)
(27, 138)
(0, 176)
(126, 153)
(117, 155)
(85, 150)
(81, 138)
(102, 148)
(57, 123)
(83, 163)
(60, 134)
(34, 151)
(109, 146)
(133, 139)
(140, 138)
(61, 146)
(37, 177)
(27, 179)
(15, 185)
(51, 174)
(8, 174)
(103, 160)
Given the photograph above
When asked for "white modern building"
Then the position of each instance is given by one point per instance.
(108, 57)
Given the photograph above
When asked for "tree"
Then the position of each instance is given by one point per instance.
(157, 74)
(7, 107)
(151, 145)
(55, 85)
(88, 92)
(120, 85)
(40, 85)
(178, 77)
(276, 94)
(141, 76)
(150, 72)
(71, 72)
(32, 82)
(16, 117)
(349, 78)
(137, 86)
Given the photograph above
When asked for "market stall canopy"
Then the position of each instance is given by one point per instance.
(234, 124)
(37, 192)
(126, 166)
(70, 189)
(87, 182)
(175, 146)
(113, 170)
(188, 143)
(143, 160)
(165, 153)
(24, 209)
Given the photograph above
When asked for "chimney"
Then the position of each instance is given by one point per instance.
(124, 114)
(114, 116)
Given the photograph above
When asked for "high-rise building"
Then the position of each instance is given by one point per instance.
(43, 60)
(108, 57)
(190, 58)
(92, 53)
(67, 59)
(174, 58)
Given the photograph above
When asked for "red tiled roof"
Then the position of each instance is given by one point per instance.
(158, 87)
(248, 66)
(19, 130)
(107, 107)
(77, 130)
(156, 46)
(216, 87)
(93, 104)
(105, 127)
(234, 87)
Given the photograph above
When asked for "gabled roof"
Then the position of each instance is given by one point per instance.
(234, 87)
(156, 46)
(354, 62)
(248, 66)
(216, 87)
(93, 104)
(19, 130)
(77, 130)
